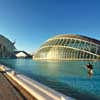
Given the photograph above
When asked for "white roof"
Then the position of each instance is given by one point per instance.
(21, 54)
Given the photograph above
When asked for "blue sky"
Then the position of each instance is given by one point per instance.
(31, 22)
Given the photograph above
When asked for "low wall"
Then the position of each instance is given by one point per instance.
(36, 89)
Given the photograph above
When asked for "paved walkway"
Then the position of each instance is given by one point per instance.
(7, 91)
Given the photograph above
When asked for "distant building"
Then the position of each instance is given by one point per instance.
(22, 54)
(7, 47)
(69, 47)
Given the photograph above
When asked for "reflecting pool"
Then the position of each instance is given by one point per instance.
(68, 77)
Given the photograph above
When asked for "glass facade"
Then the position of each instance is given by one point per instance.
(69, 47)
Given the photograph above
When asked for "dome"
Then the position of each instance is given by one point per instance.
(69, 47)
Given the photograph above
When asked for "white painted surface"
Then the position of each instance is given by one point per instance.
(21, 54)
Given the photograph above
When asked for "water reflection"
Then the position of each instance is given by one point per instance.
(69, 77)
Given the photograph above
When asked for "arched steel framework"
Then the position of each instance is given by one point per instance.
(69, 47)
(6, 47)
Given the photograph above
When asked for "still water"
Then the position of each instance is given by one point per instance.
(68, 77)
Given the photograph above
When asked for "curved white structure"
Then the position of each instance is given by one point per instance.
(69, 47)
(6, 47)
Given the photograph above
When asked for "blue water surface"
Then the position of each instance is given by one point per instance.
(68, 77)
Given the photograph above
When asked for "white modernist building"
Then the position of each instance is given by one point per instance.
(21, 55)
(7, 48)
(69, 47)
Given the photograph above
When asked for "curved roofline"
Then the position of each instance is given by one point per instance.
(83, 37)
(7, 40)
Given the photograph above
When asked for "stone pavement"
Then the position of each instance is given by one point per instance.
(7, 91)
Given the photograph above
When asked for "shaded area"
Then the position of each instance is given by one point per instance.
(7, 91)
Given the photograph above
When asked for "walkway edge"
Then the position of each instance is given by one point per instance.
(36, 89)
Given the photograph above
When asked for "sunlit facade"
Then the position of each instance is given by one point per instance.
(6, 47)
(69, 47)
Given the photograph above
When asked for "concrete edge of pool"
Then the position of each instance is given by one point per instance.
(34, 88)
